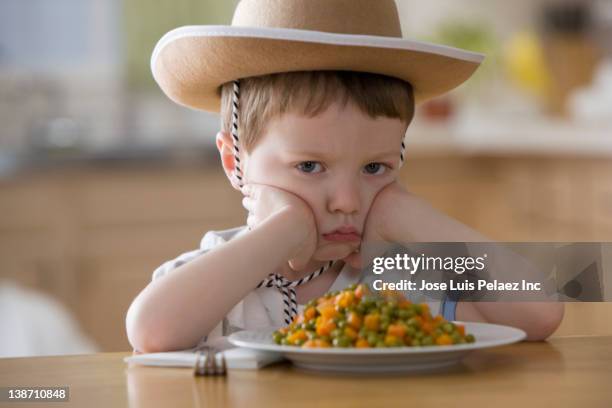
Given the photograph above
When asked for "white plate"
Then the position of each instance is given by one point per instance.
(376, 360)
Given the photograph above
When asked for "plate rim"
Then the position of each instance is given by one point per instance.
(519, 335)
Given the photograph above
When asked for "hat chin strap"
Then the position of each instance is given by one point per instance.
(286, 287)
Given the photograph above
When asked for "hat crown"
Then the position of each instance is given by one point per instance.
(364, 17)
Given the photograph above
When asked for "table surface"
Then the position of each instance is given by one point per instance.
(564, 371)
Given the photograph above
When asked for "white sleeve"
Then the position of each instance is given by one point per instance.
(209, 241)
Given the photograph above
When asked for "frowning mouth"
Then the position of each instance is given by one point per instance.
(343, 234)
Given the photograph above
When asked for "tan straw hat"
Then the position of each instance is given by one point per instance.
(271, 36)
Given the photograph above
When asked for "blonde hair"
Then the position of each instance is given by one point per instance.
(311, 93)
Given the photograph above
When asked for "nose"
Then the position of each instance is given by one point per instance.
(344, 197)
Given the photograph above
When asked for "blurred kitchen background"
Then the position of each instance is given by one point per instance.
(102, 178)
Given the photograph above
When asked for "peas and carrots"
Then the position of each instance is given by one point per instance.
(355, 318)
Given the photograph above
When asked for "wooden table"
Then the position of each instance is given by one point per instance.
(565, 371)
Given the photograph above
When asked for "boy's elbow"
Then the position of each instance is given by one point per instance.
(143, 337)
(546, 322)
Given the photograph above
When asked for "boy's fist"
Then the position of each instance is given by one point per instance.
(381, 225)
(264, 201)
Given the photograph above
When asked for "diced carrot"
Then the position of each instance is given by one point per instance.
(350, 333)
(425, 309)
(391, 340)
(309, 344)
(345, 299)
(404, 304)
(362, 343)
(316, 343)
(294, 337)
(438, 319)
(397, 330)
(310, 313)
(322, 343)
(328, 311)
(325, 326)
(460, 329)
(360, 291)
(354, 320)
(372, 321)
(444, 340)
(427, 327)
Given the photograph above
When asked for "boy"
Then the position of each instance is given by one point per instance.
(315, 98)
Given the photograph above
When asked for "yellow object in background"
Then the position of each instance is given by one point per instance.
(526, 63)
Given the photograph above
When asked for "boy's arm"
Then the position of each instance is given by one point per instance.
(405, 219)
(177, 310)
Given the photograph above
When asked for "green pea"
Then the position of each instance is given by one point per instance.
(284, 341)
(363, 332)
(470, 338)
(277, 337)
(415, 342)
(361, 308)
(413, 321)
(342, 341)
(372, 339)
(405, 314)
(427, 341)
(385, 311)
(380, 344)
(410, 330)
(417, 309)
(311, 325)
(384, 326)
(398, 343)
(448, 327)
(419, 334)
(311, 334)
(368, 301)
(335, 333)
(456, 337)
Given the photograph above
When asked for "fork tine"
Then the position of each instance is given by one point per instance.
(199, 365)
(211, 364)
(223, 368)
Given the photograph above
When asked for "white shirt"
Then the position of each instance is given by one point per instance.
(263, 307)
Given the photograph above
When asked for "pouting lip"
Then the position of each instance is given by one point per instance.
(345, 229)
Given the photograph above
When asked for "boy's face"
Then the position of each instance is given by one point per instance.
(336, 161)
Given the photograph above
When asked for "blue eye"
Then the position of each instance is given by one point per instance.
(310, 167)
(375, 168)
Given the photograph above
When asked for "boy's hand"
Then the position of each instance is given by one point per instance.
(264, 201)
(381, 224)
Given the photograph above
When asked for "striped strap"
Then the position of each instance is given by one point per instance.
(286, 287)
(236, 141)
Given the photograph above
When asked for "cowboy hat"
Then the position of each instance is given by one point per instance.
(273, 36)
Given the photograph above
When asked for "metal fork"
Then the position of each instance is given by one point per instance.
(206, 364)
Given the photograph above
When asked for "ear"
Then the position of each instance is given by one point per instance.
(225, 146)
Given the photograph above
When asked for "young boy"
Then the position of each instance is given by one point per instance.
(315, 98)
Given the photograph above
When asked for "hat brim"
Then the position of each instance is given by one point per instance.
(191, 63)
